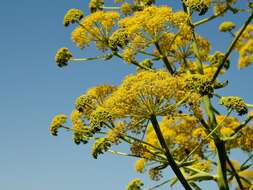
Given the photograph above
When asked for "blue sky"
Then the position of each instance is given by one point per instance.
(34, 89)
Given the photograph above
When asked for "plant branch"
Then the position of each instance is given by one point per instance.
(172, 162)
(237, 177)
(231, 47)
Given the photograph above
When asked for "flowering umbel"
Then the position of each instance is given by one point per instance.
(165, 113)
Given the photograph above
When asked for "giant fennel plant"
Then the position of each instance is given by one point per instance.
(167, 110)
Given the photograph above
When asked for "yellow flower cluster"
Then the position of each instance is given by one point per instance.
(139, 165)
(98, 118)
(144, 94)
(221, 6)
(96, 5)
(226, 26)
(244, 47)
(94, 97)
(114, 134)
(100, 146)
(135, 184)
(96, 27)
(62, 57)
(227, 127)
(178, 47)
(235, 103)
(72, 16)
(203, 165)
(198, 83)
(126, 8)
(152, 21)
(155, 174)
(200, 6)
(57, 123)
(119, 39)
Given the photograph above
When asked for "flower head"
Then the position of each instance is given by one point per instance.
(72, 16)
(144, 94)
(200, 6)
(119, 38)
(62, 57)
(100, 146)
(135, 184)
(226, 26)
(98, 118)
(234, 103)
(56, 123)
(96, 5)
(126, 8)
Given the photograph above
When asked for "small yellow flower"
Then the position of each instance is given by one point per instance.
(126, 8)
(139, 165)
(226, 26)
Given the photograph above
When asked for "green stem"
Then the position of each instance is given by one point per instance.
(161, 184)
(111, 8)
(221, 167)
(133, 62)
(237, 177)
(171, 161)
(164, 58)
(249, 105)
(237, 129)
(200, 177)
(231, 47)
(209, 18)
(91, 58)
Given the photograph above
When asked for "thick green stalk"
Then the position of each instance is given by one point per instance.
(168, 155)
(221, 167)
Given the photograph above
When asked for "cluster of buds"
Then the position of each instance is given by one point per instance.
(84, 103)
(119, 38)
(96, 5)
(234, 103)
(100, 146)
(135, 184)
(57, 123)
(72, 16)
(201, 6)
(200, 84)
(62, 57)
(98, 118)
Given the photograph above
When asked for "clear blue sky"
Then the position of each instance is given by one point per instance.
(33, 90)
